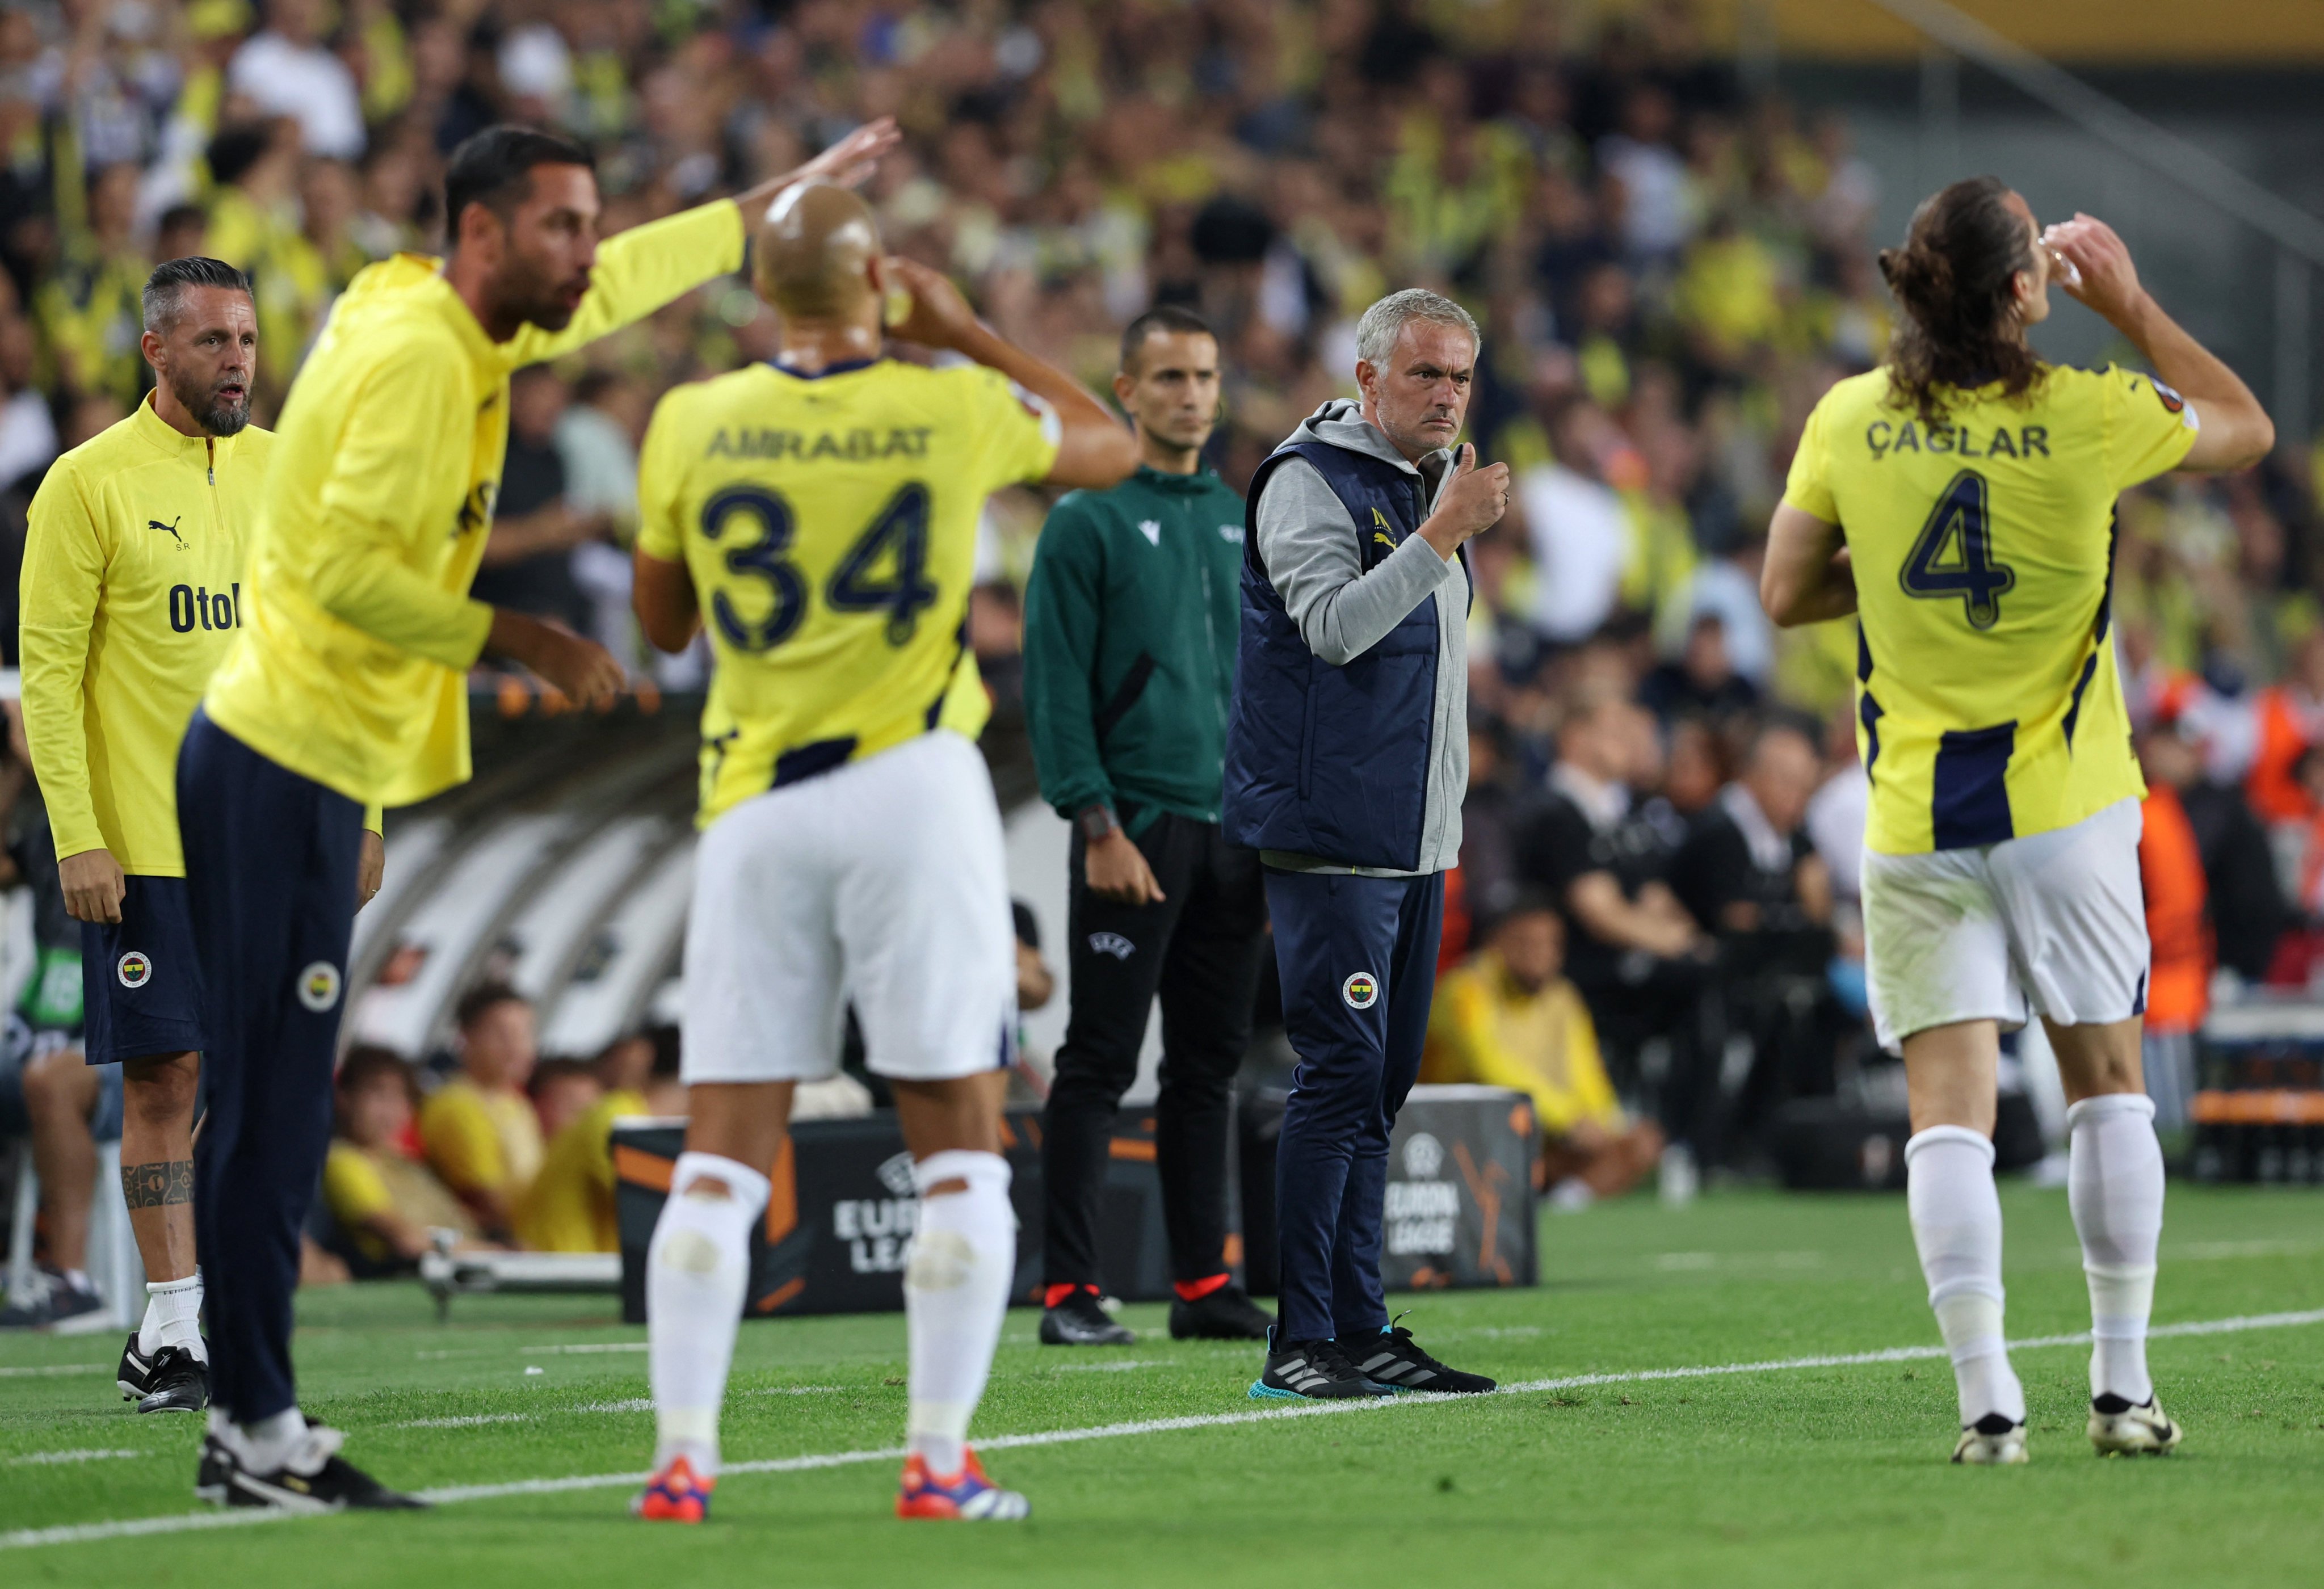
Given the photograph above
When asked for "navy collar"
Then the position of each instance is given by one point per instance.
(848, 368)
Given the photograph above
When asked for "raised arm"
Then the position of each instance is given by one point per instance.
(1311, 550)
(1094, 449)
(2236, 430)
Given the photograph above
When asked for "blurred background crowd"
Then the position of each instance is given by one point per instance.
(1669, 271)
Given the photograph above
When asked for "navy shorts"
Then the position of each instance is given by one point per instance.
(141, 982)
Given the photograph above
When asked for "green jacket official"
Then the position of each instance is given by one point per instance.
(1131, 617)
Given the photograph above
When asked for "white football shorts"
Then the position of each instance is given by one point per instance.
(881, 882)
(2056, 922)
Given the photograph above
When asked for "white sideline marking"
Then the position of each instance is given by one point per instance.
(469, 1422)
(39, 1457)
(593, 1346)
(55, 1368)
(1109, 1368)
(128, 1527)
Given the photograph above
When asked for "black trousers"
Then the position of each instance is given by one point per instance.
(1200, 949)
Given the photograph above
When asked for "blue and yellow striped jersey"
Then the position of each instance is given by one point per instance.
(1988, 703)
(830, 528)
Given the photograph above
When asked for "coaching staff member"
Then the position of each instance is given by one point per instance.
(1347, 756)
(1130, 638)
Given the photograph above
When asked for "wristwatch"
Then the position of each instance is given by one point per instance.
(1096, 822)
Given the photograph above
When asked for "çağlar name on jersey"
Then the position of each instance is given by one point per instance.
(1988, 702)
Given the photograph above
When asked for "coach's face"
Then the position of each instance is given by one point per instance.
(208, 355)
(1419, 398)
(547, 247)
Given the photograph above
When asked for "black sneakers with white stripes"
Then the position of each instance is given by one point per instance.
(173, 1379)
(1310, 1368)
(1395, 1360)
(316, 1478)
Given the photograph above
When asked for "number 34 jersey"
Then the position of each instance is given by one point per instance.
(1989, 706)
(829, 524)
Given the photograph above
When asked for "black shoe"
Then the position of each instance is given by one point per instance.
(178, 1382)
(1078, 1321)
(48, 1301)
(1395, 1360)
(1317, 1369)
(318, 1480)
(209, 1473)
(135, 1377)
(1227, 1314)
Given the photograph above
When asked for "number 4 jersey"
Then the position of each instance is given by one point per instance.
(829, 524)
(1989, 706)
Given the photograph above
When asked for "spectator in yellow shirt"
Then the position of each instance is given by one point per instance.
(384, 1201)
(570, 1207)
(1506, 1017)
(479, 1129)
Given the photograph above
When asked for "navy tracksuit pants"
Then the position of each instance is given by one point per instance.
(1358, 957)
(271, 861)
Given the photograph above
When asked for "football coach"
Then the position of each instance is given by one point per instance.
(1346, 761)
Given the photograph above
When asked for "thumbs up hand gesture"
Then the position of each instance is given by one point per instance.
(1472, 501)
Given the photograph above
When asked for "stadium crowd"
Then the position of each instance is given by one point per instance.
(1665, 811)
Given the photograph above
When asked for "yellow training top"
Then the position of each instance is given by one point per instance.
(1483, 1028)
(570, 1206)
(830, 527)
(1988, 701)
(359, 627)
(481, 1142)
(132, 591)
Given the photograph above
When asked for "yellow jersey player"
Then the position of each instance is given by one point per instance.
(132, 591)
(346, 684)
(818, 516)
(1960, 502)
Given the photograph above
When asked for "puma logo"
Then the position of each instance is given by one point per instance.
(170, 530)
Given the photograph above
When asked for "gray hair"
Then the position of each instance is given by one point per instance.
(1385, 321)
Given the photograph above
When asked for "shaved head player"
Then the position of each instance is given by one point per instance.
(817, 514)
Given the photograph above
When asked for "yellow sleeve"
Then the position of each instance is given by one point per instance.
(661, 480)
(639, 271)
(371, 515)
(375, 818)
(2149, 428)
(1020, 432)
(63, 576)
(1809, 487)
(353, 1187)
(462, 1148)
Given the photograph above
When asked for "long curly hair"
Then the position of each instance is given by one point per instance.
(1954, 278)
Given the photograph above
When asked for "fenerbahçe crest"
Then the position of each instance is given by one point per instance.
(318, 987)
(133, 969)
(1361, 991)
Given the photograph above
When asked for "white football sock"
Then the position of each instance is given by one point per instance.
(2115, 1186)
(174, 1317)
(697, 1268)
(956, 1294)
(1956, 1224)
(269, 1445)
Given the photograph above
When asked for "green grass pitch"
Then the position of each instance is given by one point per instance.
(1782, 1475)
